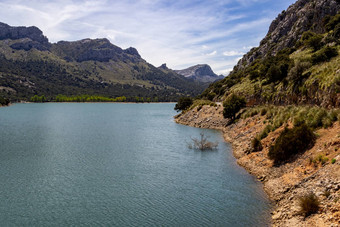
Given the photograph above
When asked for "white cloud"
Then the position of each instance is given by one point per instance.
(232, 53)
(212, 53)
(179, 33)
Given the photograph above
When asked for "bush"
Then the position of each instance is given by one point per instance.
(325, 54)
(295, 74)
(311, 39)
(211, 96)
(309, 204)
(290, 143)
(265, 132)
(333, 22)
(322, 159)
(336, 32)
(37, 98)
(256, 144)
(183, 103)
(333, 161)
(202, 143)
(232, 105)
(3, 101)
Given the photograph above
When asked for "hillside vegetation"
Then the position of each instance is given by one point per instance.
(307, 72)
(30, 65)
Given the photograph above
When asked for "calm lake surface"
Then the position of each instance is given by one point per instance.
(105, 164)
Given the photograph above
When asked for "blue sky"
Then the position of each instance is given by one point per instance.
(178, 33)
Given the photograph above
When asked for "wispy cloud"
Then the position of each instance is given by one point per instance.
(233, 53)
(179, 33)
(212, 53)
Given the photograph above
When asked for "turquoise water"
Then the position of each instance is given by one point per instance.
(105, 164)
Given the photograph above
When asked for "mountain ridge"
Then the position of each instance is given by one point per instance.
(31, 65)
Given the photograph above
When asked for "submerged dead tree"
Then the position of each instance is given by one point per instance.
(202, 143)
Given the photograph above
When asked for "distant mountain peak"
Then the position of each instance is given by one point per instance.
(200, 72)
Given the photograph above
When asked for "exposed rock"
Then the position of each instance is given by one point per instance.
(288, 27)
(33, 33)
(132, 51)
(97, 50)
(28, 37)
(163, 66)
(27, 44)
(201, 73)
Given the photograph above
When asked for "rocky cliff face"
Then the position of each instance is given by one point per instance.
(288, 27)
(33, 33)
(200, 72)
(96, 50)
(27, 37)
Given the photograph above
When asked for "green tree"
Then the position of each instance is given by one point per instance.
(3, 101)
(232, 105)
(183, 103)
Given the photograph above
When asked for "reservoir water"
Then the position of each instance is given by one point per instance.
(107, 164)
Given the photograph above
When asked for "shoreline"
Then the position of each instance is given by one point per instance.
(283, 185)
(99, 102)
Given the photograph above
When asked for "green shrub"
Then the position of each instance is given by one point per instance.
(256, 144)
(327, 122)
(232, 105)
(183, 103)
(37, 98)
(309, 204)
(265, 131)
(211, 96)
(325, 54)
(333, 22)
(315, 117)
(290, 143)
(3, 101)
(311, 39)
(333, 161)
(336, 32)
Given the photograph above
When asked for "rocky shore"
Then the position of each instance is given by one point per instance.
(286, 184)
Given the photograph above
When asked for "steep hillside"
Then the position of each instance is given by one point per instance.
(30, 65)
(200, 72)
(296, 63)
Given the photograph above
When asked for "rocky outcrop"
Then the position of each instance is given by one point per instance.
(27, 44)
(164, 67)
(95, 50)
(27, 37)
(132, 51)
(202, 72)
(288, 27)
(33, 33)
(285, 184)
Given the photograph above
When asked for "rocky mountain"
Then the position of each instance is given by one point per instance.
(31, 65)
(296, 63)
(288, 27)
(201, 72)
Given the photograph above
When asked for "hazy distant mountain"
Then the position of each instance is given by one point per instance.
(202, 73)
(30, 64)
